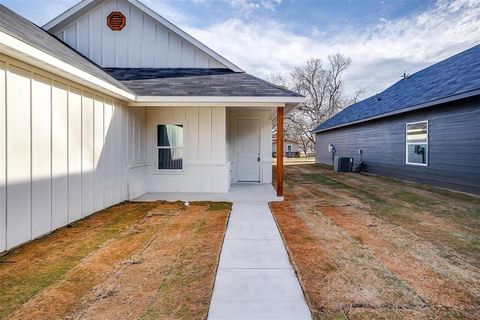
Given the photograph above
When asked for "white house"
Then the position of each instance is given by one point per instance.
(109, 101)
(291, 147)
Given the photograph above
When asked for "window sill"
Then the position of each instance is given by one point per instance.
(417, 164)
(169, 172)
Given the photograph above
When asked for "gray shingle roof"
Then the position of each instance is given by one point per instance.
(456, 75)
(195, 82)
(24, 30)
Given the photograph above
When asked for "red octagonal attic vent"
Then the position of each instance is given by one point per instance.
(116, 21)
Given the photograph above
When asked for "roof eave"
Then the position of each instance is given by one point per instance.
(451, 98)
(228, 101)
(23, 51)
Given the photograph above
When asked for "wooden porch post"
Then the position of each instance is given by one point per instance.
(280, 151)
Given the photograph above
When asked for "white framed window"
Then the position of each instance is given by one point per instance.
(417, 143)
(169, 147)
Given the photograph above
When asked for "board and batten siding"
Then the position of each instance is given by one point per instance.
(205, 168)
(63, 151)
(453, 145)
(143, 43)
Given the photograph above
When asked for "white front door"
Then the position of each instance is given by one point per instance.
(248, 150)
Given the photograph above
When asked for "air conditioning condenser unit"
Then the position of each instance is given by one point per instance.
(343, 164)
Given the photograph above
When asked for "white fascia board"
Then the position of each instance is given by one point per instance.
(271, 99)
(67, 14)
(20, 50)
(227, 101)
(206, 104)
(185, 35)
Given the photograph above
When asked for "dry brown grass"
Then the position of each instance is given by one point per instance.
(135, 261)
(367, 247)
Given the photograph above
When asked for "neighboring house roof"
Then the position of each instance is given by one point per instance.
(20, 28)
(86, 5)
(454, 78)
(195, 82)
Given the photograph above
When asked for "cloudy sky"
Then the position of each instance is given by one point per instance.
(383, 38)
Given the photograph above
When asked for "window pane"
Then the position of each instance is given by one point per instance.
(170, 135)
(417, 132)
(170, 159)
(417, 153)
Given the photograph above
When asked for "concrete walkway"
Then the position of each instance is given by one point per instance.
(255, 279)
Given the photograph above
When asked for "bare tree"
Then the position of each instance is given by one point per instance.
(291, 130)
(323, 88)
(295, 130)
(277, 79)
(356, 96)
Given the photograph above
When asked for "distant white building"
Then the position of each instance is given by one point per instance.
(291, 148)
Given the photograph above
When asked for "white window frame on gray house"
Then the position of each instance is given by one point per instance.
(422, 142)
(179, 146)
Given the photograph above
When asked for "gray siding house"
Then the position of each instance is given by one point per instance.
(424, 128)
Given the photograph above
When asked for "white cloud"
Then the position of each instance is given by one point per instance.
(380, 54)
(270, 4)
(168, 11)
(39, 14)
(246, 7)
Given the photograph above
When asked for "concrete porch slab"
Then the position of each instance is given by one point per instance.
(239, 193)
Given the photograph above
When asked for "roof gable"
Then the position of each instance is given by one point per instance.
(147, 41)
(454, 78)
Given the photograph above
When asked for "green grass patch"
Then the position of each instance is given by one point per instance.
(324, 166)
(473, 243)
(20, 285)
(217, 206)
(382, 208)
(449, 193)
(361, 194)
(320, 178)
(415, 199)
(16, 291)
